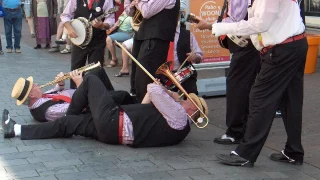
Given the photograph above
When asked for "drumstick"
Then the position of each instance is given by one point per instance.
(185, 60)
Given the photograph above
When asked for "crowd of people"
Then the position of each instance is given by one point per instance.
(266, 74)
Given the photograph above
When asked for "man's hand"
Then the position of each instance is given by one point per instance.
(71, 32)
(60, 75)
(203, 24)
(133, 3)
(98, 24)
(76, 77)
(193, 57)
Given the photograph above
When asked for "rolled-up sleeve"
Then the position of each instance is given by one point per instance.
(149, 8)
(172, 111)
(109, 18)
(68, 12)
(127, 6)
(195, 46)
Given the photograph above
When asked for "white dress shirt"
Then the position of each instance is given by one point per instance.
(270, 22)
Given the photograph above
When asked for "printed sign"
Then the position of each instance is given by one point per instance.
(209, 11)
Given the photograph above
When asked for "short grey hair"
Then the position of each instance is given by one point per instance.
(27, 101)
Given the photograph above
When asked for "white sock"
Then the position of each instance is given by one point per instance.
(68, 46)
(233, 152)
(64, 36)
(17, 129)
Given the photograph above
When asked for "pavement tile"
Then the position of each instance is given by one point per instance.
(17, 175)
(8, 150)
(17, 155)
(44, 171)
(41, 178)
(162, 167)
(188, 172)
(276, 175)
(14, 162)
(153, 175)
(96, 166)
(115, 172)
(61, 163)
(35, 147)
(51, 152)
(25, 167)
(46, 158)
(76, 176)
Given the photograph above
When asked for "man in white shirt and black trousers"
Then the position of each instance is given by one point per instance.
(244, 67)
(277, 31)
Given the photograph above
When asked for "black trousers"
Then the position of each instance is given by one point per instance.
(102, 75)
(243, 70)
(93, 53)
(101, 122)
(279, 83)
(151, 54)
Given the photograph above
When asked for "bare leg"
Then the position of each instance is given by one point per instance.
(111, 48)
(59, 31)
(30, 23)
(125, 60)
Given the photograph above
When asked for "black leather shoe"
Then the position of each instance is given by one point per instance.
(38, 46)
(60, 41)
(281, 157)
(234, 160)
(225, 139)
(7, 125)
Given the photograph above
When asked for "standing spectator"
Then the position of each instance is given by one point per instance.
(29, 17)
(13, 19)
(44, 13)
(60, 39)
(1, 52)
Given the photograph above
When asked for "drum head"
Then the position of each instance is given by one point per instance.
(80, 29)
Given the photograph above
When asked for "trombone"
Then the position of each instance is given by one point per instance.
(164, 69)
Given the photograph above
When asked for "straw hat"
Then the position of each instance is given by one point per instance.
(201, 103)
(22, 89)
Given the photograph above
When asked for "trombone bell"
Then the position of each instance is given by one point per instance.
(164, 69)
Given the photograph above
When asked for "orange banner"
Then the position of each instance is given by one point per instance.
(209, 11)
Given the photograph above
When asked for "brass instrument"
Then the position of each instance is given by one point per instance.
(67, 76)
(164, 69)
(136, 20)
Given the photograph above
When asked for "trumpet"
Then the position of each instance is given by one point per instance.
(67, 76)
(164, 69)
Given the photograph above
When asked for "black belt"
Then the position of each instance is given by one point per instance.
(12, 10)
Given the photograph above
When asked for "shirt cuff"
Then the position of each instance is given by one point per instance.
(65, 19)
(219, 29)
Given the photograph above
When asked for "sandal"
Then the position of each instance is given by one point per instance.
(120, 74)
(114, 64)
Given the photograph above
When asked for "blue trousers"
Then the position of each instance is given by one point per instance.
(13, 20)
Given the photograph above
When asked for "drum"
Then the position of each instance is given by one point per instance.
(181, 76)
(84, 31)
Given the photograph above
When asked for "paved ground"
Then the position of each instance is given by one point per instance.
(80, 158)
